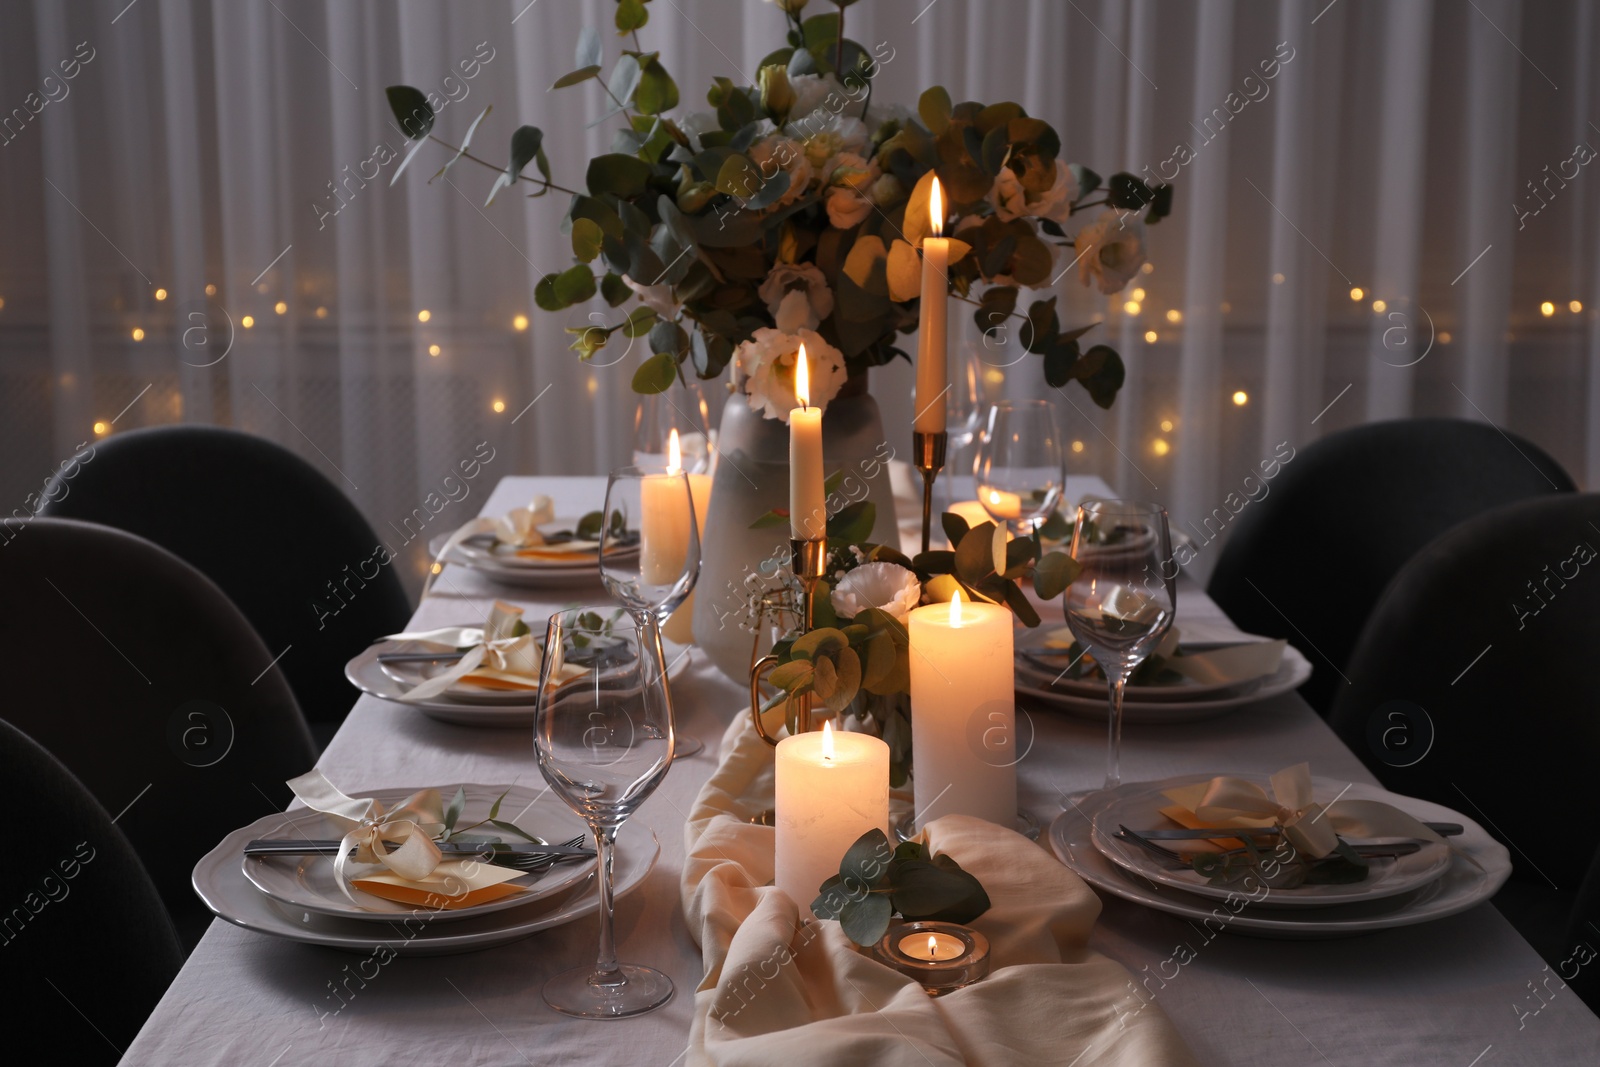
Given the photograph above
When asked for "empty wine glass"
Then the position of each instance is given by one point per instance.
(604, 740)
(685, 411)
(1021, 469)
(1122, 601)
(653, 569)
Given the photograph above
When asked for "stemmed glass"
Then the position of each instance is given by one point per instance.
(1122, 601)
(658, 415)
(1021, 468)
(604, 740)
(654, 580)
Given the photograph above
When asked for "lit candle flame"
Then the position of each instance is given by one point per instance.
(802, 379)
(936, 209)
(955, 609)
(827, 740)
(994, 494)
(933, 947)
(674, 454)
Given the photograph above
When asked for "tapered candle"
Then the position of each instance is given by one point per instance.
(931, 376)
(808, 514)
(964, 705)
(830, 788)
(677, 626)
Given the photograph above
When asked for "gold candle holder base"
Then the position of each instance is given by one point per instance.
(928, 451)
(808, 558)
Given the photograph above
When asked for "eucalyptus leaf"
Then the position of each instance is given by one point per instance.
(618, 175)
(975, 553)
(411, 110)
(586, 238)
(625, 78)
(589, 52)
(574, 285)
(1053, 573)
(934, 107)
(452, 811)
(866, 861)
(866, 920)
(656, 374)
(465, 141)
(576, 77)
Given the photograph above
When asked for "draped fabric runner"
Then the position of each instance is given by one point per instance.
(778, 992)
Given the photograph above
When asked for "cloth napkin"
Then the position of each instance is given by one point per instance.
(495, 657)
(777, 992)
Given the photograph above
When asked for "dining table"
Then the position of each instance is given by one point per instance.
(1455, 991)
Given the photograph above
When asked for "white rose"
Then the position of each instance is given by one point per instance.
(786, 278)
(768, 359)
(1012, 201)
(811, 93)
(827, 135)
(1111, 250)
(657, 298)
(887, 586)
(850, 178)
(776, 154)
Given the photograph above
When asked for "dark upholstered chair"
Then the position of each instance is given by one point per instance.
(1308, 560)
(134, 670)
(84, 930)
(1491, 630)
(280, 540)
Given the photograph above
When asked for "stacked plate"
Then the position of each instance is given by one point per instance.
(463, 703)
(1042, 673)
(1435, 881)
(509, 565)
(297, 897)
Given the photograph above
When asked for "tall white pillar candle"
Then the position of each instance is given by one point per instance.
(963, 712)
(831, 788)
(677, 627)
(932, 378)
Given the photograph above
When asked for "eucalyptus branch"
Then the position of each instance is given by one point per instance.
(493, 167)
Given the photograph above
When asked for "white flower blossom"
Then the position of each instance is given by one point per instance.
(805, 278)
(657, 298)
(1111, 250)
(887, 586)
(1012, 201)
(768, 359)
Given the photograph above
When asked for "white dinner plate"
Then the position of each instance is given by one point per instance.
(367, 674)
(482, 551)
(221, 885)
(1291, 674)
(1138, 806)
(1479, 866)
(530, 573)
(1039, 673)
(411, 675)
(308, 883)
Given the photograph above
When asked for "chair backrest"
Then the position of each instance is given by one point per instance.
(1308, 560)
(84, 930)
(1491, 631)
(280, 539)
(134, 670)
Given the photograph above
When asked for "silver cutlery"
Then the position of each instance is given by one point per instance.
(1175, 862)
(529, 859)
(419, 657)
(1443, 829)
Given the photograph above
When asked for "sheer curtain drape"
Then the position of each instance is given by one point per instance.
(214, 177)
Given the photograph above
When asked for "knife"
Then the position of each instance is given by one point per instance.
(272, 846)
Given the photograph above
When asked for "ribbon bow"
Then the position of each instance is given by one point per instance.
(493, 648)
(413, 823)
(520, 526)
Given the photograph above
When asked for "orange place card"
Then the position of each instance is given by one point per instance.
(453, 884)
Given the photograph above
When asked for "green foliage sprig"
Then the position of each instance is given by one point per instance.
(875, 882)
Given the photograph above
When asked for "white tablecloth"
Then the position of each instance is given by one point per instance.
(1446, 993)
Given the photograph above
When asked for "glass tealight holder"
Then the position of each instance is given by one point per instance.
(940, 957)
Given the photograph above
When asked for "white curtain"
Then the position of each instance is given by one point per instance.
(209, 160)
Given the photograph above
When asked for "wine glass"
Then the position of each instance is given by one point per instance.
(604, 740)
(688, 414)
(1021, 469)
(653, 569)
(1122, 601)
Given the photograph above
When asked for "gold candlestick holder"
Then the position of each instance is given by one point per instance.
(928, 451)
(808, 558)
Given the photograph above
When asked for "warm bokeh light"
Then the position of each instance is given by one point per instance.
(1077, 446)
(1277, 278)
(248, 321)
(1241, 398)
(281, 307)
(519, 323)
(1150, 337)
(1444, 337)
(1380, 306)
(1575, 306)
(1357, 293)
(262, 287)
(499, 406)
(161, 294)
(102, 428)
(1174, 315)
(1148, 268)
(2, 303)
(1137, 294)
(1160, 447)
(424, 315)
(322, 312)
(802, 374)
(138, 334)
(211, 290)
(437, 567)
(1166, 425)
(1547, 309)
(1131, 307)
(936, 208)
(434, 350)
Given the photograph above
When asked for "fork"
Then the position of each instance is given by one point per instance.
(530, 862)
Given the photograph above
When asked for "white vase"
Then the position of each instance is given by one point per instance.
(738, 563)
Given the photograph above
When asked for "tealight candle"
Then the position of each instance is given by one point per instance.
(940, 957)
(830, 789)
(963, 701)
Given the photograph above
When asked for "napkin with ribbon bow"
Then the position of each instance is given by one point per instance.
(518, 529)
(415, 872)
(1312, 828)
(779, 991)
(496, 656)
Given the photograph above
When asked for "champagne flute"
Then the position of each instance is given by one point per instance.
(604, 740)
(1122, 602)
(656, 578)
(1021, 470)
